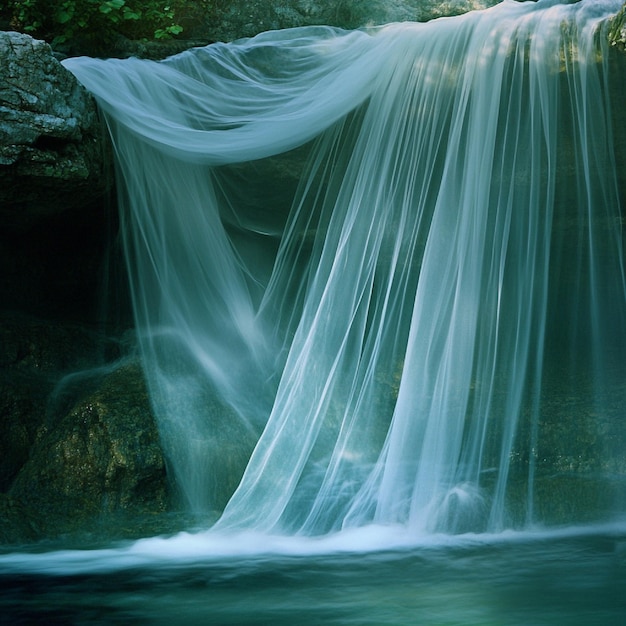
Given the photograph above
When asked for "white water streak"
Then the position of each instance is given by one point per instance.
(392, 362)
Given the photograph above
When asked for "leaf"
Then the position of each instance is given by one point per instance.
(64, 16)
(129, 14)
(111, 5)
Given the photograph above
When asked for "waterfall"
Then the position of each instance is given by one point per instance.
(378, 275)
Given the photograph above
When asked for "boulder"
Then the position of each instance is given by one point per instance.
(100, 458)
(52, 153)
(35, 357)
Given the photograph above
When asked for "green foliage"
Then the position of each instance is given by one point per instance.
(93, 24)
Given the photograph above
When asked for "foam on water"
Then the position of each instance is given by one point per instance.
(236, 549)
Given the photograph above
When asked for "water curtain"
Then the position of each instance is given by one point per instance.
(378, 275)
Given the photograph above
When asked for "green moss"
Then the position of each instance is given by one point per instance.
(617, 30)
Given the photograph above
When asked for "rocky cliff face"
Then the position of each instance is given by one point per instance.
(52, 154)
(246, 18)
(54, 184)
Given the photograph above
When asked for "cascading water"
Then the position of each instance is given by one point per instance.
(378, 276)
(379, 289)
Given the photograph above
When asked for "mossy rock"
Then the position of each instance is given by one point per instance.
(35, 354)
(18, 523)
(617, 31)
(101, 458)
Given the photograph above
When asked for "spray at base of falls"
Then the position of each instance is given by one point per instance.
(425, 322)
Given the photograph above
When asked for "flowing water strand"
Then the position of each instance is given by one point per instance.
(368, 267)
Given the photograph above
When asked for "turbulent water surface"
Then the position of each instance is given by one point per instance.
(573, 577)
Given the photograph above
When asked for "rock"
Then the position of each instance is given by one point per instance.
(54, 184)
(35, 355)
(22, 411)
(246, 18)
(52, 153)
(102, 457)
(617, 30)
(18, 524)
(29, 344)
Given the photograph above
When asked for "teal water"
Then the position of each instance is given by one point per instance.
(574, 577)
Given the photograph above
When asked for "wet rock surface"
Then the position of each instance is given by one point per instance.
(45, 367)
(246, 18)
(617, 32)
(100, 457)
(52, 153)
(34, 355)
(18, 523)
